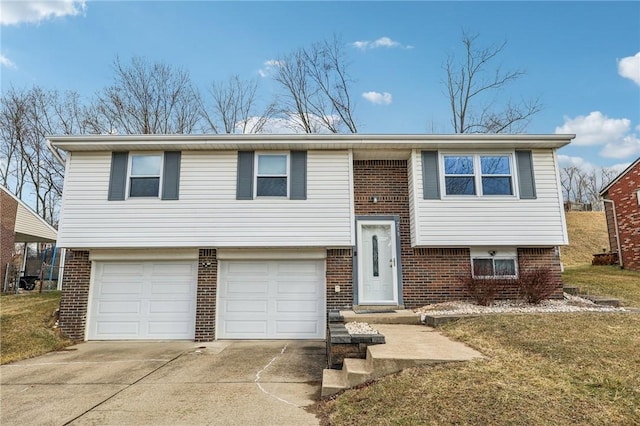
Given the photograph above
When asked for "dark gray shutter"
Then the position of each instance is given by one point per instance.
(430, 178)
(118, 176)
(298, 175)
(171, 175)
(244, 187)
(526, 178)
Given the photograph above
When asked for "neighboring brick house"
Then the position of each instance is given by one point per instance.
(622, 209)
(257, 236)
(19, 224)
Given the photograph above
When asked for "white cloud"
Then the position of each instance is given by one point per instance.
(568, 161)
(629, 67)
(629, 146)
(6, 62)
(595, 128)
(268, 67)
(381, 42)
(378, 98)
(17, 12)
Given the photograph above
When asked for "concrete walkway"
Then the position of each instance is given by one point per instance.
(406, 346)
(165, 383)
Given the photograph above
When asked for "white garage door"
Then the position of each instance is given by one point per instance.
(143, 300)
(271, 299)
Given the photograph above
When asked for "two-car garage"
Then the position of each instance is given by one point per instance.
(257, 298)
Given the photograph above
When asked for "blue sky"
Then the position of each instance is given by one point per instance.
(582, 58)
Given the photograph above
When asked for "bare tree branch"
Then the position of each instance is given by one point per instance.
(469, 86)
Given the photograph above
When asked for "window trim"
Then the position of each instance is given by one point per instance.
(256, 175)
(477, 174)
(159, 154)
(483, 253)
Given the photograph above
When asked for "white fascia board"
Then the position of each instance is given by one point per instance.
(305, 142)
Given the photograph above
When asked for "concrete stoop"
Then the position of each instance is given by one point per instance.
(406, 346)
(598, 300)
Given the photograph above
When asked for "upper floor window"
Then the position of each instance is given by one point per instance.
(478, 174)
(144, 175)
(272, 175)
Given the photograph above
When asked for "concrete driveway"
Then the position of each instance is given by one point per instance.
(166, 383)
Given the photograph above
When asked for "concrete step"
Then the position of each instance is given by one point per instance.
(401, 316)
(355, 372)
(332, 382)
(571, 290)
(602, 300)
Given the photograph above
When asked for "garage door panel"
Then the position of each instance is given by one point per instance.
(243, 289)
(125, 328)
(118, 307)
(297, 306)
(247, 268)
(162, 329)
(169, 307)
(155, 301)
(289, 304)
(249, 306)
(293, 288)
(245, 328)
(307, 328)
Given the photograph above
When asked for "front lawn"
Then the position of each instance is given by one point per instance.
(605, 281)
(561, 369)
(26, 325)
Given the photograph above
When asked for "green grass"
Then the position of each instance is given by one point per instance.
(26, 326)
(605, 281)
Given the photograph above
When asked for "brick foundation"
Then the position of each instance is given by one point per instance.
(206, 295)
(8, 211)
(75, 294)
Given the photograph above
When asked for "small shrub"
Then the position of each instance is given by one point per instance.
(482, 290)
(535, 284)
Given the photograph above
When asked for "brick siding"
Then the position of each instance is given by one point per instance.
(8, 211)
(206, 295)
(624, 193)
(339, 272)
(429, 275)
(75, 294)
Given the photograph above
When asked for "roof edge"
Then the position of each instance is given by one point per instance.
(33, 212)
(617, 178)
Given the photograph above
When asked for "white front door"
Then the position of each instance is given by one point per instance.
(377, 263)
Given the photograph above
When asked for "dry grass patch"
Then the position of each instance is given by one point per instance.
(564, 369)
(587, 236)
(605, 281)
(26, 326)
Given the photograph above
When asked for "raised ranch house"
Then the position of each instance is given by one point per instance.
(256, 236)
(622, 210)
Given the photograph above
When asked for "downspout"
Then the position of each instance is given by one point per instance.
(615, 224)
(55, 152)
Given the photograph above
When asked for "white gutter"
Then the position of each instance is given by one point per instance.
(615, 224)
(55, 153)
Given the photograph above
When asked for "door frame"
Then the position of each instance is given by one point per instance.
(357, 287)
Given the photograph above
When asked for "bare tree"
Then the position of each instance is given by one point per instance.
(28, 167)
(234, 107)
(583, 185)
(315, 82)
(147, 98)
(472, 87)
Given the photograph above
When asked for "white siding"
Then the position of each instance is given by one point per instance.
(207, 213)
(484, 221)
